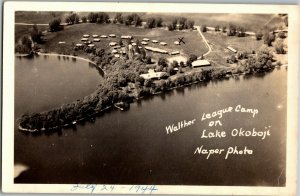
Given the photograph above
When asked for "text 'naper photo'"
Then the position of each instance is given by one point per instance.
(150, 99)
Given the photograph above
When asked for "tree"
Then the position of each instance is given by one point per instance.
(119, 18)
(36, 34)
(84, 19)
(281, 35)
(170, 27)
(258, 35)
(72, 18)
(279, 48)
(203, 28)
(224, 29)
(148, 60)
(162, 62)
(217, 28)
(159, 22)
(232, 30)
(54, 25)
(190, 24)
(92, 17)
(174, 23)
(269, 38)
(151, 22)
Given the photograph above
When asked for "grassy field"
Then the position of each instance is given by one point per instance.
(251, 22)
(73, 34)
(37, 17)
(219, 42)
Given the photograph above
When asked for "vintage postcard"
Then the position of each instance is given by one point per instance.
(149, 98)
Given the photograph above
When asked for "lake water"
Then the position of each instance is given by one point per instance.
(133, 147)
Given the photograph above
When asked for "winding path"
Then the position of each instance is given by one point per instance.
(205, 40)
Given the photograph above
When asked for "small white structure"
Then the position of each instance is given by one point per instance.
(153, 75)
(94, 36)
(91, 45)
(103, 36)
(112, 35)
(86, 35)
(156, 50)
(176, 43)
(117, 55)
(154, 41)
(79, 45)
(140, 47)
(114, 51)
(200, 63)
(144, 43)
(175, 52)
(232, 49)
(163, 43)
(134, 44)
(146, 39)
(96, 40)
(61, 42)
(112, 43)
(126, 37)
(117, 47)
(84, 39)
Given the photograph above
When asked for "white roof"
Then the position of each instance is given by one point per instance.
(103, 36)
(117, 55)
(79, 44)
(199, 63)
(146, 39)
(84, 39)
(86, 35)
(152, 74)
(112, 35)
(126, 37)
(114, 51)
(112, 43)
(91, 45)
(61, 42)
(97, 40)
(163, 43)
(175, 52)
(95, 35)
(144, 43)
(156, 49)
(134, 44)
(176, 42)
(154, 41)
(232, 49)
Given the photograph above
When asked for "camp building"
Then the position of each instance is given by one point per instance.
(153, 75)
(200, 63)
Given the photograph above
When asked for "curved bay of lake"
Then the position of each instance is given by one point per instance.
(132, 147)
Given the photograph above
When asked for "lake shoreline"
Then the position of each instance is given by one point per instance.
(134, 98)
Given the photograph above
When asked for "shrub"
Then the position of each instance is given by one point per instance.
(54, 25)
(279, 48)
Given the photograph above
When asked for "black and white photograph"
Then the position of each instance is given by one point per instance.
(112, 101)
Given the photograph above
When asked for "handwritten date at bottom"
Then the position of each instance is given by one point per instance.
(94, 188)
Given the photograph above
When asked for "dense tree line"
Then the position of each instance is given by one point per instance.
(72, 18)
(181, 23)
(99, 18)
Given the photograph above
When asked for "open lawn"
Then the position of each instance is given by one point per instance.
(252, 22)
(73, 34)
(37, 17)
(219, 43)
